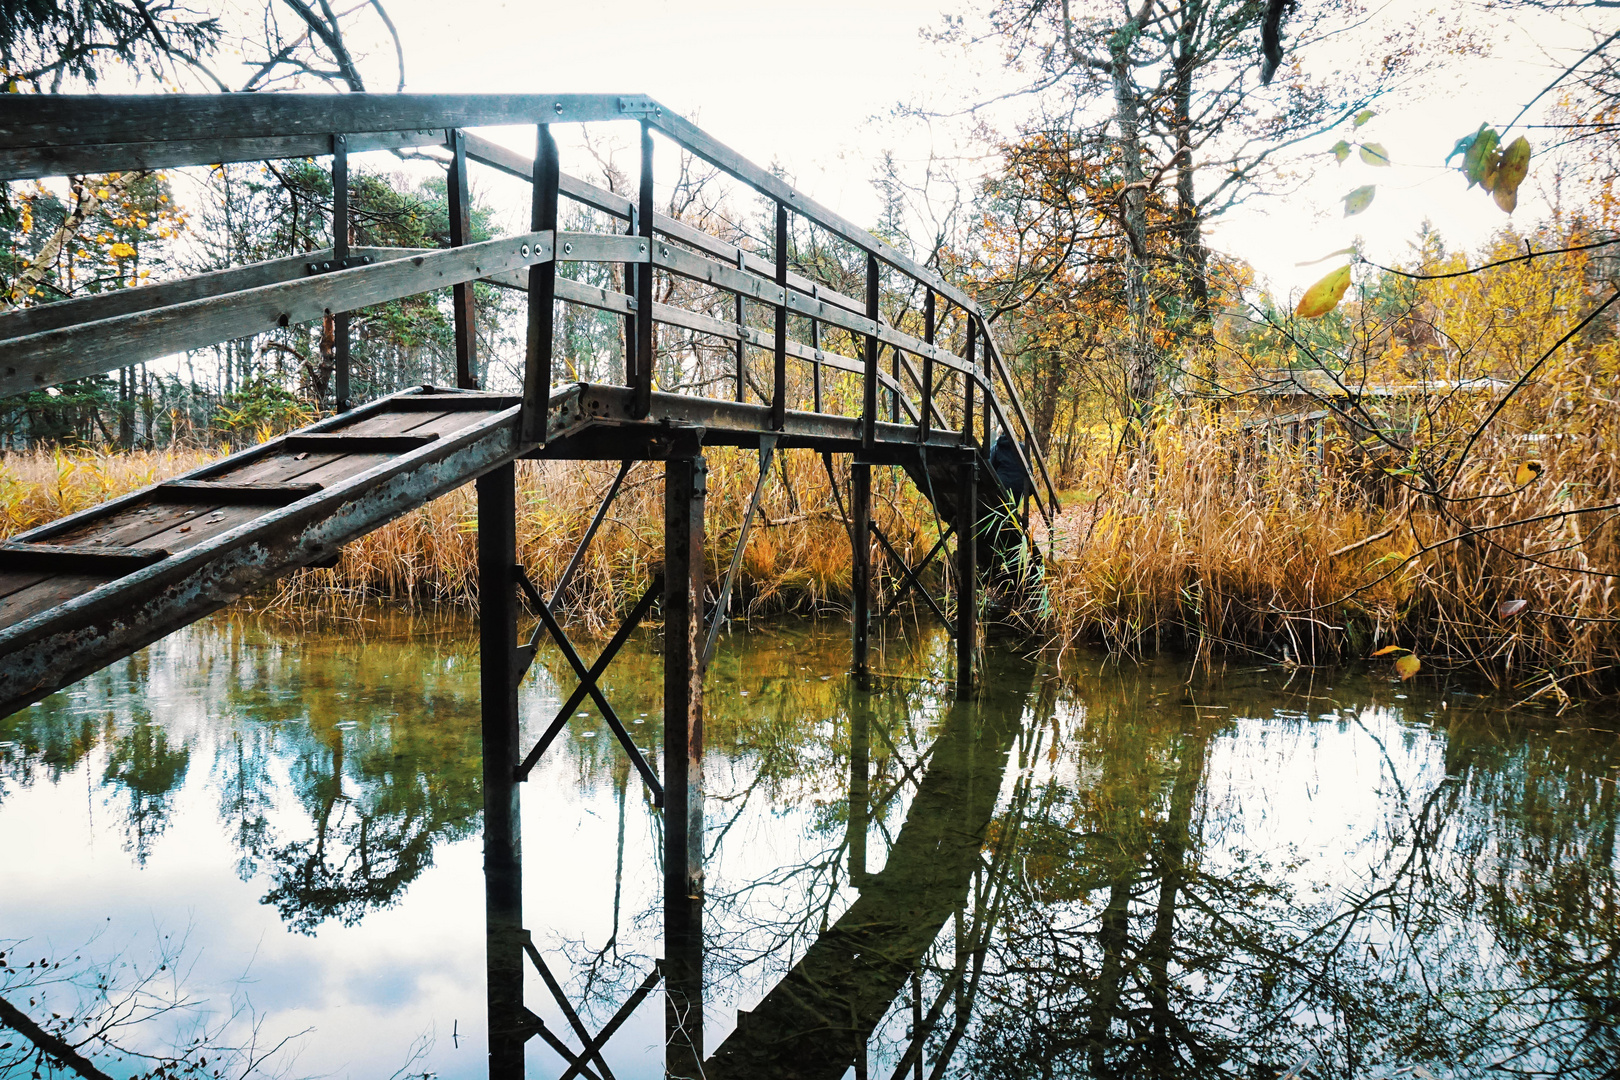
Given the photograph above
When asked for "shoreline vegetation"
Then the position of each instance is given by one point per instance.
(1196, 543)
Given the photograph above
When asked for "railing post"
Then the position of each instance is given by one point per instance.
(542, 294)
(967, 571)
(869, 383)
(641, 380)
(894, 401)
(779, 341)
(340, 255)
(631, 288)
(685, 486)
(742, 352)
(462, 294)
(860, 538)
(815, 368)
(497, 684)
(925, 417)
(967, 380)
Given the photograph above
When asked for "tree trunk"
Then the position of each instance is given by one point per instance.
(1141, 365)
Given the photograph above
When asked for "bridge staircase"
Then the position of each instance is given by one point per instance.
(920, 385)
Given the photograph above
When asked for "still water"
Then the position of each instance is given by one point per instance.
(267, 840)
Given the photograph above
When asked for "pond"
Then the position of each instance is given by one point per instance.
(259, 846)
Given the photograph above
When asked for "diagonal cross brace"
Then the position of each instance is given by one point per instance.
(767, 447)
(654, 977)
(620, 636)
(909, 583)
(576, 1062)
(589, 682)
(590, 533)
(911, 577)
(592, 1049)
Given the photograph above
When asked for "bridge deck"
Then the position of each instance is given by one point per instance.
(86, 590)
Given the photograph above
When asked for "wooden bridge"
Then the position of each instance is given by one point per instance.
(82, 592)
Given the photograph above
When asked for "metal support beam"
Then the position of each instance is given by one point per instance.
(815, 366)
(503, 877)
(860, 784)
(542, 295)
(340, 256)
(590, 534)
(860, 510)
(685, 487)
(641, 374)
(462, 292)
(967, 574)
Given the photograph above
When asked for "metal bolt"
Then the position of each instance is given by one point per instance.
(568, 249)
(664, 252)
(558, 107)
(641, 249)
(525, 250)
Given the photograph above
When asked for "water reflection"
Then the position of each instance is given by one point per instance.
(1125, 871)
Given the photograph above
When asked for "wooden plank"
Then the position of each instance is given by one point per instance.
(99, 561)
(44, 359)
(262, 493)
(20, 163)
(342, 442)
(43, 120)
(109, 305)
(44, 595)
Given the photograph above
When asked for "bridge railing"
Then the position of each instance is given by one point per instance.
(933, 386)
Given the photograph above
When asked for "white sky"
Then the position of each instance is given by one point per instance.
(813, 86)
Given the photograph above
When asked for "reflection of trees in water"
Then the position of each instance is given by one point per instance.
(378, 797)
(1136, 945)
(142, 764)
(43, 741)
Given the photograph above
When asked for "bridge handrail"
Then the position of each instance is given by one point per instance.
(53, 135)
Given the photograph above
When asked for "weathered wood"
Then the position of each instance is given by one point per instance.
(110, 305)
(256, 493)
(640, 370)
(41, 121)
(462, 302)
(542, 295)
(78, 559)
(22, 163)
(72, 352)
(780, 327)
(342, 442)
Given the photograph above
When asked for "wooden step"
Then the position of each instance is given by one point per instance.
(238, 493)
(335, 442)
(88, 559)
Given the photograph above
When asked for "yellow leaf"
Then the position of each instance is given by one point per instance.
(1363, 116)
(1374, 154)
(1325, 295)
(1526, 472)
(1510, 172)
(1341, 150)
(1359, 199)
(1387, 649)
(122, 250)
(1407, 666)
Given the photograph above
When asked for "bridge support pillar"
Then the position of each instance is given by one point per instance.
(497, 685)
(685, 484)
(860, 538)
(967, 575)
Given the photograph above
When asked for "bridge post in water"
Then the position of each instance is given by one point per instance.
(685, 487)
(497, 684)
(967, 574)
(860, 538)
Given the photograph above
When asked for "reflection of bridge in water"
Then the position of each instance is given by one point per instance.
(930, 393)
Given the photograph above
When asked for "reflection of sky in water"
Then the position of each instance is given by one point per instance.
(303, 813)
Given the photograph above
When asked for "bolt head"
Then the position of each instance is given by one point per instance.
(525, 250)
